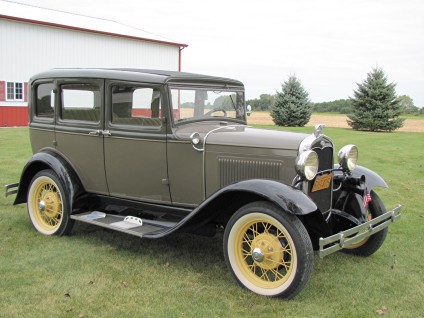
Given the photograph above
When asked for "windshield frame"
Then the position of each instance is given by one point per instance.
(207, 87)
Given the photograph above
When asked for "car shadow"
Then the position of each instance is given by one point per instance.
(201, 253)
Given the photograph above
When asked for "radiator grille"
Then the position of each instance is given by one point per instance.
(323, 197)
(234, 169)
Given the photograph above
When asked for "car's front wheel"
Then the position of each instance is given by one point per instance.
(48, 204)
(268, 251)
(371, 244)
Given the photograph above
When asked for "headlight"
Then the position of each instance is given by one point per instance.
(348, 157)
(307, 164)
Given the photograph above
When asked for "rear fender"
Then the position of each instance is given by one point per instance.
(49, 160)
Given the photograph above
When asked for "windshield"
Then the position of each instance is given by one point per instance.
(205, 103)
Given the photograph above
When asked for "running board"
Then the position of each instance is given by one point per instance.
(126, 224)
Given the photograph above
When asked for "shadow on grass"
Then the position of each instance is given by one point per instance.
(181, 250)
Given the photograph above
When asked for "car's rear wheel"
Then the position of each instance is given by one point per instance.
(371, 244)
(268, 251)
(48, 204)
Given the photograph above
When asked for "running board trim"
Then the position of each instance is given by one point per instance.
(125, 224)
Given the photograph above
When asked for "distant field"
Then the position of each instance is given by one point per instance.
(412, 123)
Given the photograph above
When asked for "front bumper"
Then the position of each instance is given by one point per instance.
(349, 237)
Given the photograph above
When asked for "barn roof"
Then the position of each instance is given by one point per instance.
(42, 16)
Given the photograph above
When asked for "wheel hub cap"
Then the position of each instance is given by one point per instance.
(42, 206)
(267, 251)
(258, 255)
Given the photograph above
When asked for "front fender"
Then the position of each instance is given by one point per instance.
(371, 177)
(49, 160)
(290, 199)
(228, 200)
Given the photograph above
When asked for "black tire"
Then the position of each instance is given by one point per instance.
(371, 244)
(48, 204)
(268, 251)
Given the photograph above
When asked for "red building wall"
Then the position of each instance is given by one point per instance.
(13, 115)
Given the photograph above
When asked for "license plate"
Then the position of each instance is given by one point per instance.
(322, 182)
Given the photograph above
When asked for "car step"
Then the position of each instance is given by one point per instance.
(126, 224)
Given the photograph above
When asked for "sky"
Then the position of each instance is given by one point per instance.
(330, 46)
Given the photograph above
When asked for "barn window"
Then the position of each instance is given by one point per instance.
(15, 91)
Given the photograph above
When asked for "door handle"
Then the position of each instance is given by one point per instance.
(94, 133)
(100, 132)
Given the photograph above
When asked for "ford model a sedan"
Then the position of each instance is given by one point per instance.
(151, 153)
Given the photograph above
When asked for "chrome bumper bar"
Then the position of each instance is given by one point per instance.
(354, 235)
(11, 188)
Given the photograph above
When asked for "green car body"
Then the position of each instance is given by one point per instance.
(151, 153)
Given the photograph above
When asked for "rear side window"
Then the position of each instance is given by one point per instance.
(136, 106)
(81, 102)
(44, 104)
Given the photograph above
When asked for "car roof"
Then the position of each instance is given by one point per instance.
(139, 75)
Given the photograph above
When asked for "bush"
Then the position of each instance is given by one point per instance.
(342, 106)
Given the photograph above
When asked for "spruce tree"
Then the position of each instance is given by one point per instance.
(375, 105)
(292, 106)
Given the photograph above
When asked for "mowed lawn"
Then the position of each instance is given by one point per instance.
(99, 273)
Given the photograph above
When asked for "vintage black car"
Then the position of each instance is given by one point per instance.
(151, 153)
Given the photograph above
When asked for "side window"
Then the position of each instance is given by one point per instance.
(44, 102)
(136, 106)
(81, 102)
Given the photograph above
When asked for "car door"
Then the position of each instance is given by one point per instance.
(78, 131)
(135, 142)
(185, 164)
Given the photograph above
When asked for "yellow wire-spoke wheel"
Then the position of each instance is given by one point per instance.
(268, 250)
(45, 204)
(263, 252)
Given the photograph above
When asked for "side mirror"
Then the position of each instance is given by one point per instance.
(248, 110)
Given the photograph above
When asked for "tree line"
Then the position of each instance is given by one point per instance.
(341, 106)
(373, 107)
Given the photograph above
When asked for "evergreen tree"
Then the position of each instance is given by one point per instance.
(292, 106)
(375, 105)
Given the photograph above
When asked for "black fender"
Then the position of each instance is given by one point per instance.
(49, 160)
(223, 203)
(372, 178)
(348, 200)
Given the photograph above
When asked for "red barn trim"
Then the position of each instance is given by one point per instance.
(2, 91)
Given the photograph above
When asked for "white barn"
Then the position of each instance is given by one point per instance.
(34, 39)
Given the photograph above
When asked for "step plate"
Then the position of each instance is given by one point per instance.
(107, 221)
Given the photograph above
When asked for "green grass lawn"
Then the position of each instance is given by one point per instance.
(99, 273)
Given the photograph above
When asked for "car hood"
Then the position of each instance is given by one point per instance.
(243, 136)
